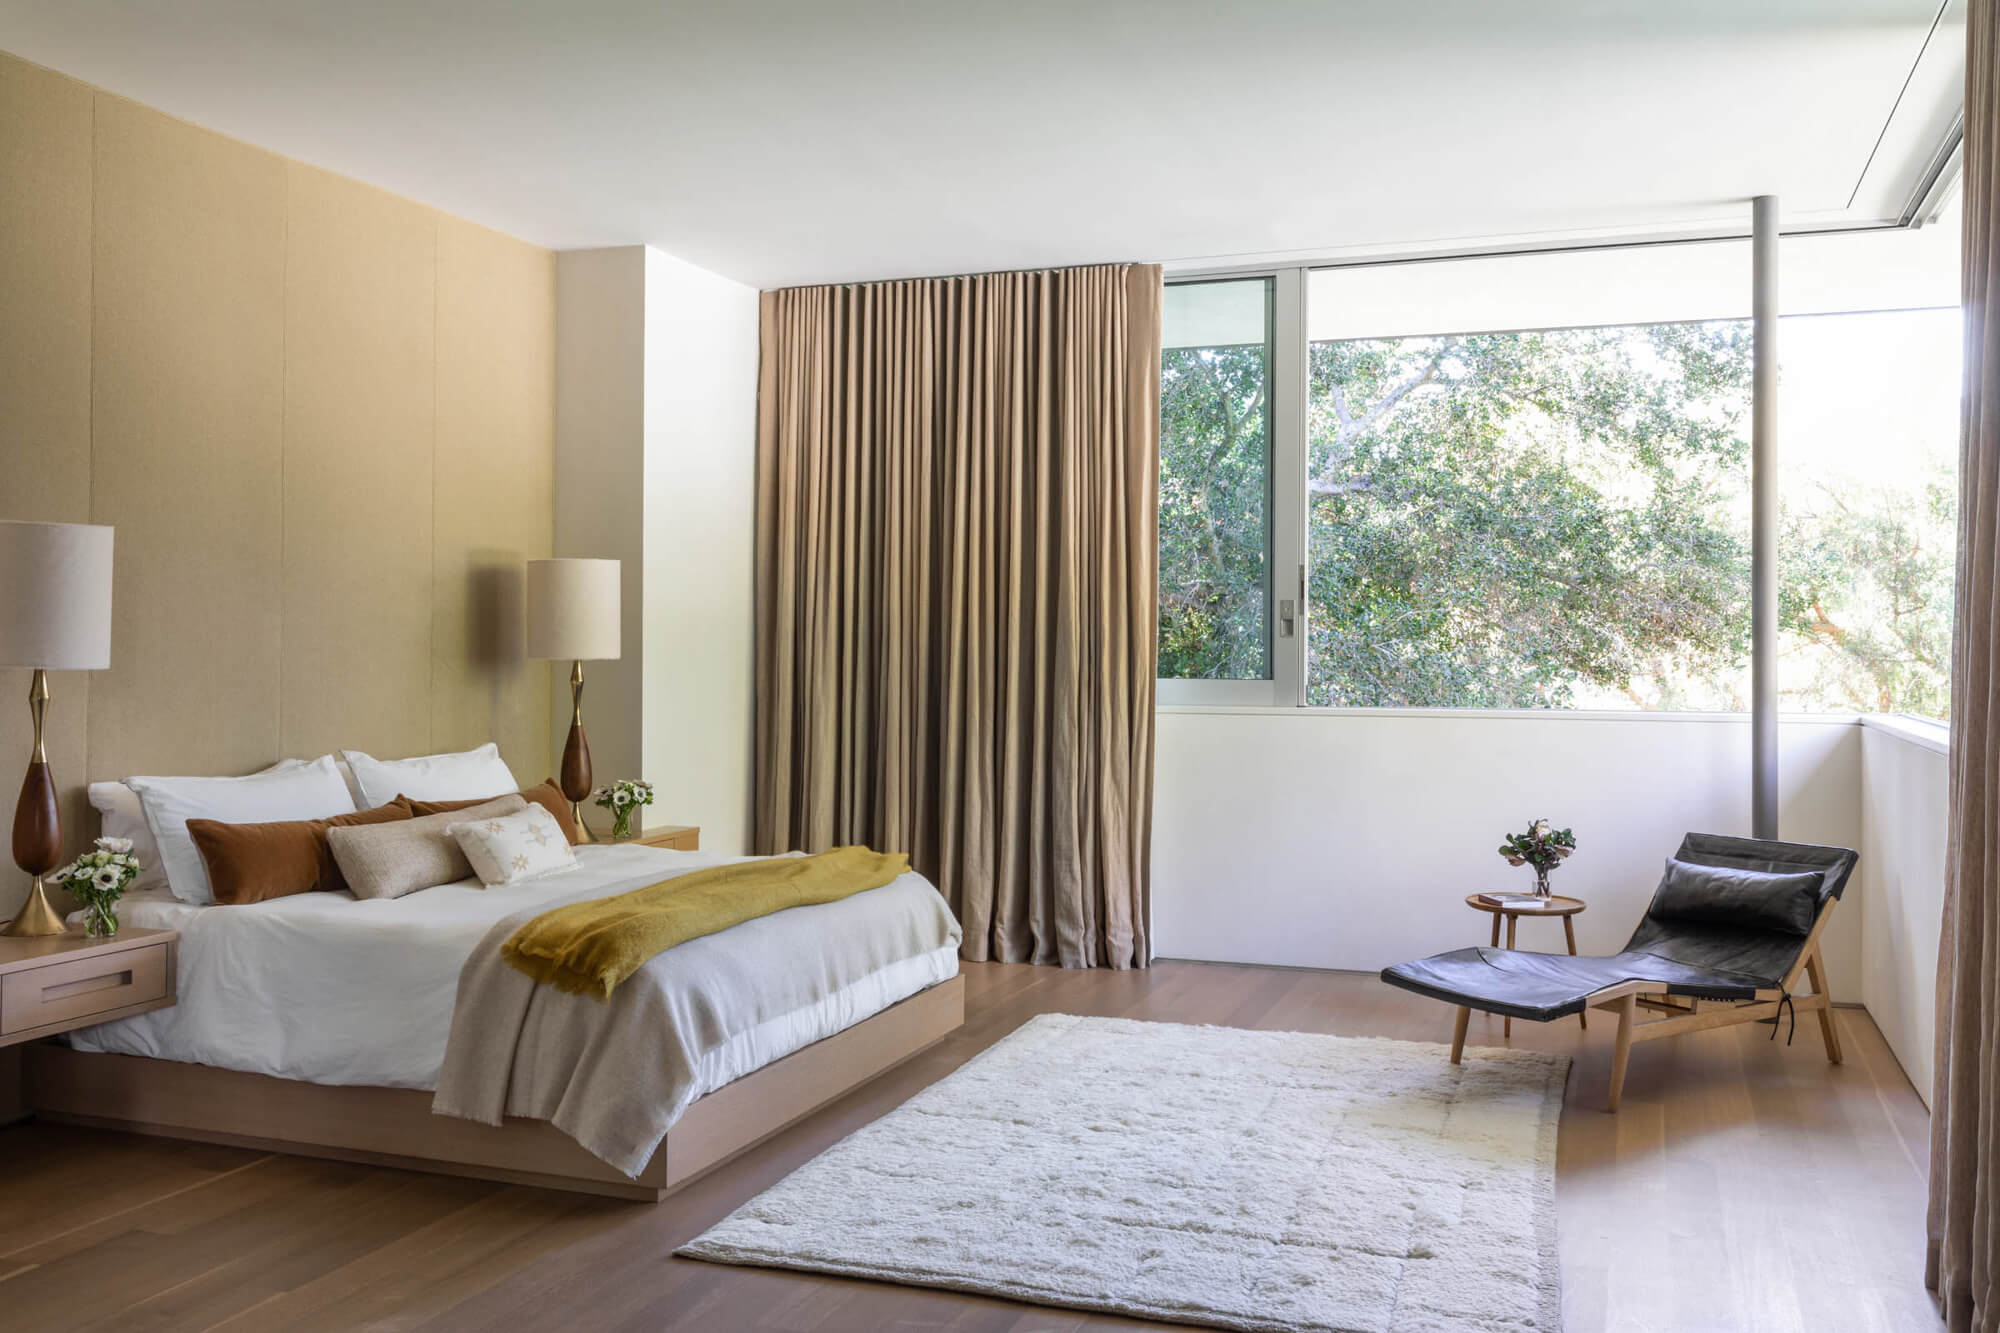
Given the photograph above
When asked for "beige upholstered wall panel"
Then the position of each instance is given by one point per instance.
(360, 299)
(188, 400)
(321, 418)
(495, 465)
(44, 381)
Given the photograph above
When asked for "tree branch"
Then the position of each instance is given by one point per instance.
(1348, 429)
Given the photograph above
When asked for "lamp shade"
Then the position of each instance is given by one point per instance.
(573, 609)
(55, 596)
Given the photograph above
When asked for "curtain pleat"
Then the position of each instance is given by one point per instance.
(1965, 1097)
(957, 594)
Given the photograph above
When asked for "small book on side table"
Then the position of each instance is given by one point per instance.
(1513, 902)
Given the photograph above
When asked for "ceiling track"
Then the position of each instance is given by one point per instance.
(1939, 178)
(1693, 237)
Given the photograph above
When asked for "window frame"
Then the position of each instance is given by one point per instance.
(1285, 507)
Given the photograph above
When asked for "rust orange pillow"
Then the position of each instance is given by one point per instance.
(249, 863)
(547, 795)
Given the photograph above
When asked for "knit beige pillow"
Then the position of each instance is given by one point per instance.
(421, 855)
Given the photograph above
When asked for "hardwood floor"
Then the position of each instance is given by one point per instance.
(1744, 1185)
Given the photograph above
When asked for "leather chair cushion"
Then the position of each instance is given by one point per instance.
(1730, 896)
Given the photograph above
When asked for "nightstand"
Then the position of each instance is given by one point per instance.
(678, 837)
(53, 983)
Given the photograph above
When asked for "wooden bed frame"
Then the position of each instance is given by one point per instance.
(395, 1127)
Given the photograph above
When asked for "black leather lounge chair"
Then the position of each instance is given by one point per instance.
(1732, 927)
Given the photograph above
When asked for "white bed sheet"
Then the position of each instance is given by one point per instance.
(327, 989)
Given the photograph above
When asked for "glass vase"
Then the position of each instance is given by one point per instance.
(100, 920)
(621, 823)
(1542, 889)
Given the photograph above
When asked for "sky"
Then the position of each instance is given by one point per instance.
(1872, 396)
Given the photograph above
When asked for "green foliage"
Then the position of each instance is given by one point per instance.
(1540, 845)
(1866, 596)
(1214, 499)
(1499, 520)
(1538, 519)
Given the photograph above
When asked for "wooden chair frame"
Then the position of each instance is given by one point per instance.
(1694, 1015)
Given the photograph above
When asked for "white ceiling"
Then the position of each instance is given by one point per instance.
(788, 141)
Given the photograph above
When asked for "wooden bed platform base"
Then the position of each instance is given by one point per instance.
(395, 1127)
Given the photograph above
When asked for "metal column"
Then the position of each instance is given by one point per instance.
(1764, 517)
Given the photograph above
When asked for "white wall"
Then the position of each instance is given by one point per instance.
(656, 443)
(701, 505)
(1903, 823)
(1349, 839)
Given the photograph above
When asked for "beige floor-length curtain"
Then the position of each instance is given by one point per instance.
(956, 583)
(1965, 1097)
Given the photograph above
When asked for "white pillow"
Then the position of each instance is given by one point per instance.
(506, 849)
(431, 777)
(303, 791)
(120, 815)
(346, 775)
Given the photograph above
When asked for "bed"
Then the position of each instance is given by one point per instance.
(317, 1023)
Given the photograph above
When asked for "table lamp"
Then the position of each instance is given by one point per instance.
(573, 612)
(55, 616)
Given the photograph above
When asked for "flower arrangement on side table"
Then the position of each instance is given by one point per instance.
(1541, 845)
(623, 799)
(97, 879)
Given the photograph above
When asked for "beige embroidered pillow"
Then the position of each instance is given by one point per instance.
(506, 849)
(390, 860)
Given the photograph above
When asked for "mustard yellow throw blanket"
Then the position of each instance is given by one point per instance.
(587, 948)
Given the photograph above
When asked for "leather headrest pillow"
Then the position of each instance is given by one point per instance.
(1726, 896)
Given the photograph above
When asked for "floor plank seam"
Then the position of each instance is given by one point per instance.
(143, 1203)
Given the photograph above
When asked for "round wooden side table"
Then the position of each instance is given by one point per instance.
(1513, 912)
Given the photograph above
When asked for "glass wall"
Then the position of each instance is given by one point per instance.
(1868, 484)
(1524, 481)
(1548, 519)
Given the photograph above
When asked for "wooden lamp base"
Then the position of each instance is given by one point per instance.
(575, 779)
(37, 828)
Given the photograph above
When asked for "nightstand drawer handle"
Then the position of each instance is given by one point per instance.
(110, 981)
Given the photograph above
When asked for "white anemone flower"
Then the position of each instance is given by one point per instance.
(115, 844)
(106, 879)
(621, 797)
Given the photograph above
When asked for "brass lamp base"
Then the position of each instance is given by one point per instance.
(583, 833)
(36, 917)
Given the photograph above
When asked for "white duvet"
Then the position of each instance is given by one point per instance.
(324, 988)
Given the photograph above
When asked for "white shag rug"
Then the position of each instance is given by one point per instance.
(1246, 1180)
